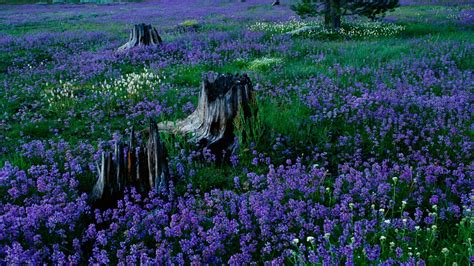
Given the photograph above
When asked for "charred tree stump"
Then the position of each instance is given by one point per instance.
(142, 35)
(211, 125)
(144, 167)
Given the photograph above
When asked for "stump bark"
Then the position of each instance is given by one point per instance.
(211, 125)
(143, 167)
(142, 35)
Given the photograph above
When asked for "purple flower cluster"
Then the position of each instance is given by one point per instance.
(42, 208)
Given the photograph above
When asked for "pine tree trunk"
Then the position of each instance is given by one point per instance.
(336, 17)
(332, 14)
(327, 14)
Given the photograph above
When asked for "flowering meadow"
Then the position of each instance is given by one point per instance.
(361, 151)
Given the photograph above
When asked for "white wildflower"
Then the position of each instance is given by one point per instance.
(327, 235)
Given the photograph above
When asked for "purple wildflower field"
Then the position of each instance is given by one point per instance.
(361, 152)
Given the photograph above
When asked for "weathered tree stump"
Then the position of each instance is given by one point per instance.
(144, 167)
(211, 125)
(142, 35)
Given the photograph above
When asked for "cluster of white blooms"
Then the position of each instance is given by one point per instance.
(279, 27)
(265, 63)
(371, 29)
(60, 94)
(315, 29)
(129, 85)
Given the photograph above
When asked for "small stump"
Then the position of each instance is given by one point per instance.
(142, 35)
(211, 125)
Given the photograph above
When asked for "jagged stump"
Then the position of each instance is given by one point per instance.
(211, 125)
(143, 167)
(142, 35)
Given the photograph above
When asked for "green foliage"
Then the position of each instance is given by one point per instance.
(306, 8)
(251, 131)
